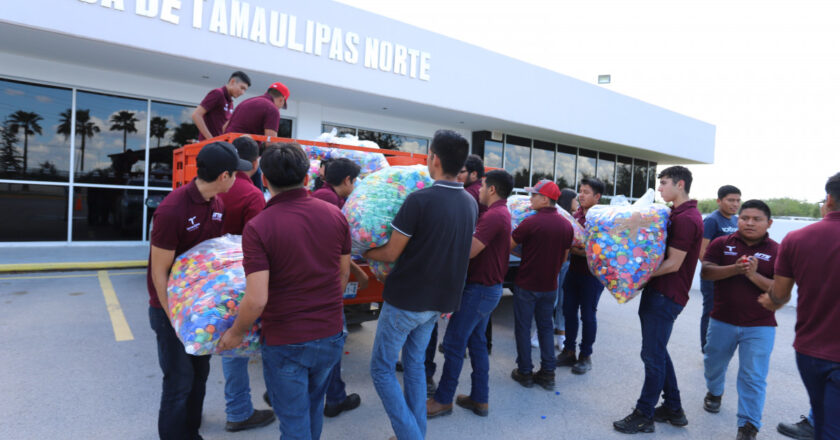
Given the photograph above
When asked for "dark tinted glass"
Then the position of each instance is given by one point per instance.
(285, 129)
(34, 132)
(565, 171)
(652, 179)
(101, 214)
(624, 175)
(39, 212)
(171, 127)
(112, 147)
(606, 172)
(640, 183)
(543, 163)
(587, 162)
(517, 162)
(152, 202)
(492, 154)
(339, 130)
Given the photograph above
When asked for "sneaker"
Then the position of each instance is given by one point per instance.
(479, 409)
(664, 414)
(634, 423)
(566, 358)
(535, 340)
(526, 380)
(583, 365)
(437, 409)
(431, 387)
(545, 379)
(711, 403)
(559, 340)
(350, 403)
(260, 418)
(747, 432)
(803, 430)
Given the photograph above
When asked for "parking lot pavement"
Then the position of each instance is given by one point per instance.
(70, 370)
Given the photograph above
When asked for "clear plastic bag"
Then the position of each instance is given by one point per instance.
(205, 286)
(369, 162)
(520, 209)
(626, 243)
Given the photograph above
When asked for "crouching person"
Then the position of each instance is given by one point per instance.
(297, 263)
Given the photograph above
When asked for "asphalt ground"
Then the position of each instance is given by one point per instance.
(79, 361)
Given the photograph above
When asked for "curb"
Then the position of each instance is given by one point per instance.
(72, 266)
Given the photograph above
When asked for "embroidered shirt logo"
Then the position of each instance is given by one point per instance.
(193, 225)
(217, 216)
(763, 257)
(730, 251)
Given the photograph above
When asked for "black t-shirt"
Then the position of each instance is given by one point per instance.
(431, 272)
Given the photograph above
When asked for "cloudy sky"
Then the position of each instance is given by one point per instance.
(764, 72)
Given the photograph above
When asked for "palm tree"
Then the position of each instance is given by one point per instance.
(124, 121)
(84, 128)
(185, 133)
(158, 128)
(10, 160)
(29, 122)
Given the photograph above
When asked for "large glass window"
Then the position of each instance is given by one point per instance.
(107, 214)
(492, 154)
(653, 181)
(339, 130)
(565, 171)
(518, 160)
(543, 163)
(587, 163)
(152, 202)
(285, 129)
(34, 132)
(640, 181)
(385, 140)
(111, 148)
(623, 176)
(33, 212)
(171, 127)
(606, 172)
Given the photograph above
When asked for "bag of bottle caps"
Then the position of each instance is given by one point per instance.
(520, 209)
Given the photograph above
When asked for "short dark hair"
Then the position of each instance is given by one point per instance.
(340, 169)
(566, 197)
(247, 148)
(284, 165)
(756, 204)
(241, 76)
(275, 93)
(452, 149)
(597, 186)
(677, 173)
(207, 175)
(832, 187)
(475, 164)
(501, 180)
(726, 190)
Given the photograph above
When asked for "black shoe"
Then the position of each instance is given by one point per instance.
(440, 347)
(634, 423)
(431, 387)
(260, 418)
(664, 414)
(526, 380)
(545, 379)
(711, 403)
(399, 367)
(803, 430)
(265, 397)
(747, 432)
(583, 365)
(566, 359)
(350, 403)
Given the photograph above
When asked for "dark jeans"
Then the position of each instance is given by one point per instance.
(296, 380)
(467, 329)
(537, 306)
(822, 380)
(708, 290)
(581, 292)
(336, 389)
(184, 380)
(431, 350)
(657, 315)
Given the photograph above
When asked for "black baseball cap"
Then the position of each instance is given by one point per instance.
(218, 157)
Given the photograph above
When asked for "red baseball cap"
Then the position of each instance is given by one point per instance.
(280, 87)
(546, 188)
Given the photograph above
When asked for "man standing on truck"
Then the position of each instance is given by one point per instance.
(339, 183)
(216, 108)
(431, 247)
(260, 115)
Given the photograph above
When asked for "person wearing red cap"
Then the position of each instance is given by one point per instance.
(216, 108)
(260, 115)
(545, 238)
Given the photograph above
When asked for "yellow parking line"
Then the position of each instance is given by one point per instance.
(121, 330)
(73, 265)
(74, 275)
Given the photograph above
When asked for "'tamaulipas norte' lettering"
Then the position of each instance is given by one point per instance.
(238, 19)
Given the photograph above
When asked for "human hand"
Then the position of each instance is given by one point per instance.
(743, 265)
(364, 281)
(753, 266)
(230, 340)
(767, 303)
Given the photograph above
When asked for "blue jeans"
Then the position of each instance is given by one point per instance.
(401, 329)
(559, 317)
(657, 315)
(467, 328)
(582, 292)
(296, 379)
(708, 290)
(336, 392)
(539, 306)
(237, 389)
(754, 346)
(822, 380)
(184, 381)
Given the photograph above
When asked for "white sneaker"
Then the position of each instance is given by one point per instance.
(559, 340)
(535, 340)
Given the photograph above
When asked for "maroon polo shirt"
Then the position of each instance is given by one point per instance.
(493, 231)
(736, 298)
(300, 241)
(219, 106)
(545, 237)
(685, 233)
(811, 256)
(328, 194)
(242, 203)
(473, 190)
(254, 116)
(183, 220)
(577, 263)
